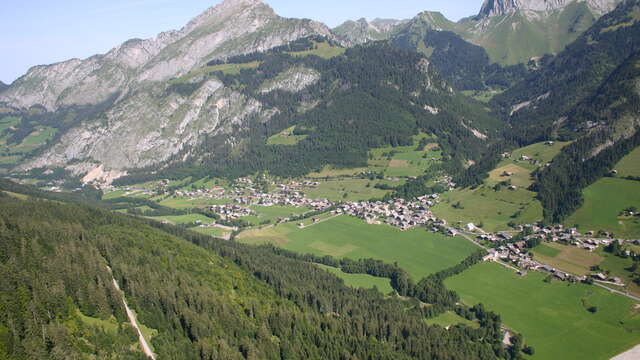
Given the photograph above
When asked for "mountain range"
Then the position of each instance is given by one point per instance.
(213, 92)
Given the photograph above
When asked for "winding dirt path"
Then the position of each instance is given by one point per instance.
(134, 322)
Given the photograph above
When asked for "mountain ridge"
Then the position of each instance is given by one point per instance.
(233, 27)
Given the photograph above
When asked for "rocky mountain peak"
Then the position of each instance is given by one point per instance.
(502, 7)
(228, 9)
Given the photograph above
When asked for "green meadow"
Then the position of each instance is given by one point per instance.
(488, 207)
(630, 164)
(553, 316)
(417, 251)
(450, 318)
(286, 137)
(355, 190)
(183, 219)
(361, 280)
(272, 213)
(603, 201)
(323, 49)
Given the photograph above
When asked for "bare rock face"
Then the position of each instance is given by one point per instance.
(362, 31)
(151, 127)
(501, 7)
(292, 80)
(231, 28)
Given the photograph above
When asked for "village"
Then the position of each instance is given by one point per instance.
(517, 252)
(505, 247)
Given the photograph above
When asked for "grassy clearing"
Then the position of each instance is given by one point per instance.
(547, 251)
(630, 164)
(355, 190)
(323, 49)
(417, 251)
(286, 137)
(211, 231)
(189, 203)
(450, 318)
(183, 219)
(568, 258)
(603, 201)
(541, 152)
(618, 266)
(8, 122)
(552, 316)
(521, 177)
(110, 326)
(361, 280)
(39, 137)
(493, 209)
(272, 213)
(482, 96)
(329, 172)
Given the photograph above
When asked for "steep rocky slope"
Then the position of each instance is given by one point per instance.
(129, 108)
(230, 28)
(362, 31)
(514, 31)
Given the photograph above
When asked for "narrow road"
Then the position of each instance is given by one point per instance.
(134, 322)
(632, 297)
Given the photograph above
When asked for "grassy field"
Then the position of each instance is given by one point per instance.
(603, 201)
(568, 258)
(183, 219)
(493, 209)
(540, 151)
(630, 164)
(272, 213)
(211, 231)
(8, 122)
(330, 172)
(417, 251)
(450, 318)
(323, 49)
(286, 137)
(361, 280)
(618, 266)
(553, 316)
(355, 190)
(188, 203)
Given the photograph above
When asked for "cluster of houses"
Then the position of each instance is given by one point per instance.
(399, 212)
(230, 211)
(517, 252)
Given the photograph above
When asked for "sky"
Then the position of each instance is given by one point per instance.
(37, 32)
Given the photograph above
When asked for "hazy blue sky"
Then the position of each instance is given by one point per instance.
(38, 32)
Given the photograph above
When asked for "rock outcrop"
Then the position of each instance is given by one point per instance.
(362, 31)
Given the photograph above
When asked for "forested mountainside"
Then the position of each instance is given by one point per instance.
(3, 86)
(465, 65)
(587, 93)
(200, 298)
(375, 95)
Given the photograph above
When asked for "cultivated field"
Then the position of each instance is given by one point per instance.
(603, 201)
(417, 251)
(568, 258)
(553, 316)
